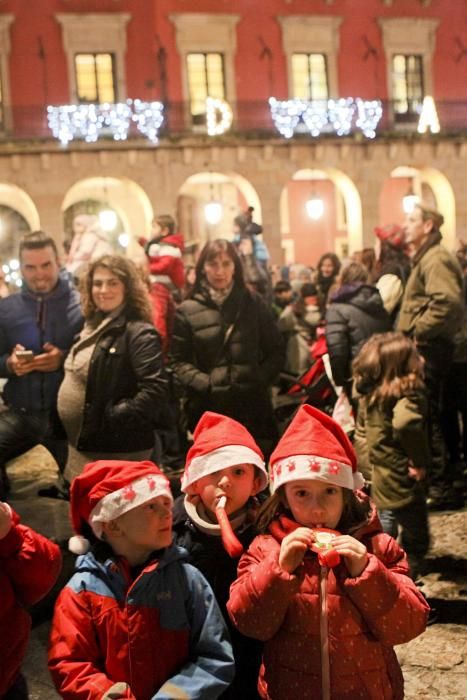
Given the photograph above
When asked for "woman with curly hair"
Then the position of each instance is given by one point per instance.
(115, 384)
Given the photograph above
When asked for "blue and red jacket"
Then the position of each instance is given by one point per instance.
(161, 633)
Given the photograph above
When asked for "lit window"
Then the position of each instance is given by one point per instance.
(95, 77)
(407, 88)
(309, 76)
(205, 79)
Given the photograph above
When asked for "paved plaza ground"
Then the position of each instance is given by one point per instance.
(434, 664)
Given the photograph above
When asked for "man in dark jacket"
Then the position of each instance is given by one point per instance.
(431, 313)
(37, 327)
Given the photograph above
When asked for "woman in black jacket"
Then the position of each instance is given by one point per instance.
(115, 386)
(354, 314)
(226, 349)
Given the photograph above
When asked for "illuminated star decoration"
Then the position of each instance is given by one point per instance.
(334, 468)
(129, 494)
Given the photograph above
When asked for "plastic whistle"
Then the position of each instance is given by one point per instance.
(232, 545)
(327, 556)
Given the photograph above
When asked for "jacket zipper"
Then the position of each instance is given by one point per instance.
(324, 634)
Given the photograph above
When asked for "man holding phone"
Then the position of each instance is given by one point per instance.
(37, 328)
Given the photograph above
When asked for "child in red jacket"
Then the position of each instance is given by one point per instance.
(135, 621)
(167, 273)
(323, 587)
(29, 567)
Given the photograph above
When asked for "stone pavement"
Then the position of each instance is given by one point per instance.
(434, 664)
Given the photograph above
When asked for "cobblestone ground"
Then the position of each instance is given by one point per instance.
(434, 664)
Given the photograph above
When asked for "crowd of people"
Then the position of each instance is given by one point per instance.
(261, 571)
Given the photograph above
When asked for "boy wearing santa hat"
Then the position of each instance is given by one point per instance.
(223, 463)
(135, 621)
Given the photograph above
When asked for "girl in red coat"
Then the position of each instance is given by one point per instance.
(323, 587)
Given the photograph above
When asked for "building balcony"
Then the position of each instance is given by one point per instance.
(26, 127)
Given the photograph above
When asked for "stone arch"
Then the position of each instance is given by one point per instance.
(443, 194)
(125, 196)
(17, 199)
(232, 189)
(350, 197)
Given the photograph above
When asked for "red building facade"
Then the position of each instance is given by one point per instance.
(177, 52)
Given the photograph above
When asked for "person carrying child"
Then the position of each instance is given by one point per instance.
(392, 436)
(323, 587)
(135, 620)
(29, 566)
(224, 462)
(164, 253)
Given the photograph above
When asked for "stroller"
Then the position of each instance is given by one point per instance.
(313, 387)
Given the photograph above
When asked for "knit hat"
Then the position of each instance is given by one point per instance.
(108, 488)
(314, 446)
(220, 442)
(392, 233)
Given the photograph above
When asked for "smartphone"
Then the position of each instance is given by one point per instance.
(24, 354)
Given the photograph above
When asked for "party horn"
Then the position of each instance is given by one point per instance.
(232, 545)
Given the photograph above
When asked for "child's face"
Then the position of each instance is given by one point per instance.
(147, 527)
(236, 483)
(315, 503)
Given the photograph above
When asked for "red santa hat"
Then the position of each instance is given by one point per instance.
(220, 442)
(314, 446)
(108, 488)
(392, 233)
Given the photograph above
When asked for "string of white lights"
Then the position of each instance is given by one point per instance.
(326, 116)
(89, 121)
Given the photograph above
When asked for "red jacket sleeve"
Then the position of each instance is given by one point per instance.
(74, 655)
(31, 562)
(391, 604)
(261, 595)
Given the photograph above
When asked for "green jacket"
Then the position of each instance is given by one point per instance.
(432, 306)
(387, 438)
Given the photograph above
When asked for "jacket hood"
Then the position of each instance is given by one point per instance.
(88, 561)
(364, 296)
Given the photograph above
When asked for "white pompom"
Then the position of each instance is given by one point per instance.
(78, 544)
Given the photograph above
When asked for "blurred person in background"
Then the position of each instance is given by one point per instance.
(326, 274)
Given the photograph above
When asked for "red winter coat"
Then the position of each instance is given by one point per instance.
(165, 258)
(29, 566)
(361, 619)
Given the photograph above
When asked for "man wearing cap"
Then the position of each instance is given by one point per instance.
(431, 313)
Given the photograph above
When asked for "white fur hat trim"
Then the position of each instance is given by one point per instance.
(130, 496)
(299, 467)
(223, 457)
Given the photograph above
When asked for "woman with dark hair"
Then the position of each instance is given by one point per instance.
(354, 314)
(327, 271)
(226, 349)
(115, 385)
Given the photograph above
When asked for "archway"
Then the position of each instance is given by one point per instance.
(426, 183)
(17, 199)
(122, 195)
(337, 229)
(232, 191)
